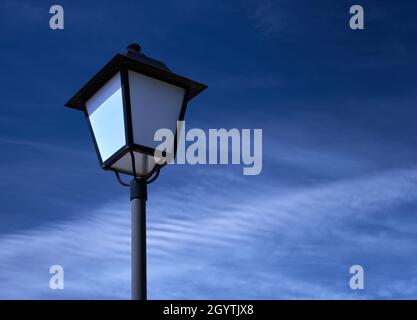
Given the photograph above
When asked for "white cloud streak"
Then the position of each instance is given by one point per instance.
(216, 253)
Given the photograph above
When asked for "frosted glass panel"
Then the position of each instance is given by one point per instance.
(144, 164)
(155, 105)
(105, 110)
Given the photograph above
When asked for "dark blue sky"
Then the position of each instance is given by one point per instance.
(339, 180)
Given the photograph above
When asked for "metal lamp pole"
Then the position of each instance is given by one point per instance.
(138, 197)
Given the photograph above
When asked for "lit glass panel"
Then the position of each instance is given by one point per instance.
(155, 105)
(143, 163)
(105, 111)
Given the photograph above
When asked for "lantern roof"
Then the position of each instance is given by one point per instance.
(133, 60)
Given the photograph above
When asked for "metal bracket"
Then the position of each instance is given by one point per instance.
(148, 178)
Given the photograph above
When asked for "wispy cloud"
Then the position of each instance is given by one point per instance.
(246, 249)
(267, 19)
(23, 9)
(247, 82)
(42, 146)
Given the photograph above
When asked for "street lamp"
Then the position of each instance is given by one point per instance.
(125, 103)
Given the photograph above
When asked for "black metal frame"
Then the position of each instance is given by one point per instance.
(116, 64)
(137, 62)
(147, 179)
